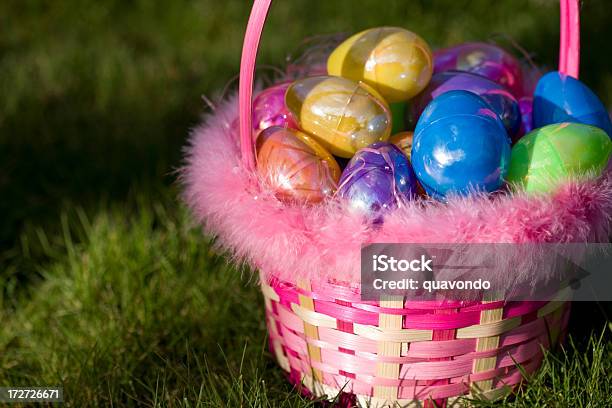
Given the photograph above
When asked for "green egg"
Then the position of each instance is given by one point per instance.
(545, 157)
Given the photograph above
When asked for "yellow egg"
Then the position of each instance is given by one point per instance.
(403, 140)
(394, 61)
(342, 115)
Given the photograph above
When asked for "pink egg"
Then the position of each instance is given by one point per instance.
(269, 109)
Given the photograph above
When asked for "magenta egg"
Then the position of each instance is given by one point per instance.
(484, 59)
(269, 109)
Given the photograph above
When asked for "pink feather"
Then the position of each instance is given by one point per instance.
(324, 241)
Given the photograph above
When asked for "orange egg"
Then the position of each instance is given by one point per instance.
(403, 140)
(295, 166)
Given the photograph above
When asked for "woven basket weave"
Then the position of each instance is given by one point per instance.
(397, 352)
(406, 353)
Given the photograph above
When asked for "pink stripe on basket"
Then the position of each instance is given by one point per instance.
(295, 342)
(339, 381)
(523, 332)
(437, 349)
(459, 367)
(433, 392)
(423, 307)
(436, 370)
(288, 319)
(351, 363)
(287, 294)
(337, 291)
(348, 340)
(513, 309)
(441, 322)
(520, 355)
(515, 376)
(342, 312)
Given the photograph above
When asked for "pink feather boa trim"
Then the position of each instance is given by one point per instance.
(324, 241)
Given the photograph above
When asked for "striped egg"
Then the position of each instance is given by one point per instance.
(295, 166)
(394, 61)
(341, 114)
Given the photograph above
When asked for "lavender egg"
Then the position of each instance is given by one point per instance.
(378, 177)
(500, 99)
(488, 60)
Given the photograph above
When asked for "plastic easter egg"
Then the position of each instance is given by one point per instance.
(456, 103)
(295, 166)
(561, 98)
(378, 177)
(488, 60)
(502, 101)
(526, 107)
(460, 154)
(531, 76)
(545, 157)
(403, 140)
(269, 109)
(342, 115)
(394, 61)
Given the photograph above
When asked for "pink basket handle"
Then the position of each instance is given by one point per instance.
(569, 60)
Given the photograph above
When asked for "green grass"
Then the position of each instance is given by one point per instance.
(106, 286)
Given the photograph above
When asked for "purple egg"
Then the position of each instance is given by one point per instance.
(484, 59)
(526, 107)
(531, 76)
(377, 178)
(269, 109)
(502, 102)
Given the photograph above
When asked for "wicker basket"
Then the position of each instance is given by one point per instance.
(398, 352)
(392, 352)
(406, 353)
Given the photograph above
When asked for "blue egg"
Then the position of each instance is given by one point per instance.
(460, 154)
(560, 98)
(378, 177)
(456, 103)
